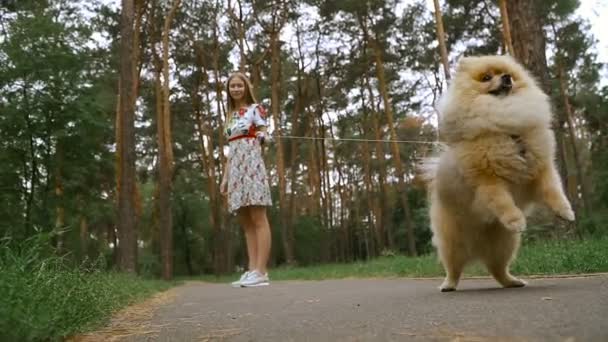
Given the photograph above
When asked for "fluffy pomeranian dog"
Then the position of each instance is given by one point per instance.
(497, 162)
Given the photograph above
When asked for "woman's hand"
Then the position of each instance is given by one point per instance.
(261, 136)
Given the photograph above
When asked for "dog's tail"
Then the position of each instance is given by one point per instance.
(426, 170)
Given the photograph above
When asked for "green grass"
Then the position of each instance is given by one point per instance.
(537, 258)
(42, 299)
(563, 257)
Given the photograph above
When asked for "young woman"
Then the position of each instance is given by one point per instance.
(245, 179)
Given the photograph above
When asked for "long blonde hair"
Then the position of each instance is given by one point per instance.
(249, 97)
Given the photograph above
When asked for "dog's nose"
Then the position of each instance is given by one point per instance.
(506, 79)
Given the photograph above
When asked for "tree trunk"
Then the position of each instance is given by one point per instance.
(301, 93)
(572, 136)
(384, 202)
(318, 163)
(32, 170)
(59, 210)
(126, 205)
(409, 226)
(84, 236)
(314, 179)
(59, 220)
(441, 40)
(136, 62)
(506, 28)
(163, 204)
(324, 171)
(275, 81)
(238, 21)
(165, 150)
(374, 210)
(529, 45)
(293, 153)
(529, 39)
(186, 248)
(325, 189)
(223, 243)
(339, 184)
(207, 144)
(137, 65)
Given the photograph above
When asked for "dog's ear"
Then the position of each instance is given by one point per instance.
(464, 63)
(510, 59)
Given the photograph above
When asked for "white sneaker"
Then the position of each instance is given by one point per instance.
(255, 278)
(238, 282)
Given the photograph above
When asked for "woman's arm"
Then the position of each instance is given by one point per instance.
(259, 120)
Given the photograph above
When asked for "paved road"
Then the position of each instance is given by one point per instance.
(401, 309)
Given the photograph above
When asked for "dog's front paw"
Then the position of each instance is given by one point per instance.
(514, 221)
(447, 286)
(514, 282)
(566, 213)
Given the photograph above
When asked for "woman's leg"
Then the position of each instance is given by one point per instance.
(249, 228)
(263, 237)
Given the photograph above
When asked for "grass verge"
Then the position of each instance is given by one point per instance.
(45, 300)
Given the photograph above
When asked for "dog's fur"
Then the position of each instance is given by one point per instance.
(498, 162)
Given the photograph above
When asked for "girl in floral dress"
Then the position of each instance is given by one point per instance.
(245, 181)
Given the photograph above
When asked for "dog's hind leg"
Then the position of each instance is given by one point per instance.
(551, 193)
(495, 196)
(500, 250)
(453, 263)
(453, 257)
(453, 270)
(450, 249)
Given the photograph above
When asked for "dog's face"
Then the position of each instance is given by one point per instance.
(498, 76)
(496, 82)
(488, 94)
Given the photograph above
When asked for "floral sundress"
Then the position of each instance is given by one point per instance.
(248, 179)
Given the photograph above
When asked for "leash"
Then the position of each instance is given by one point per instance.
(356, 139)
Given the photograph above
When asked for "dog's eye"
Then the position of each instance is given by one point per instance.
(486, 77)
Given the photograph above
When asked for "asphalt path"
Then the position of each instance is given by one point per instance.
(399, 309)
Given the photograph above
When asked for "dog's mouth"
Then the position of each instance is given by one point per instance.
(502, 90)
(506, 85)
